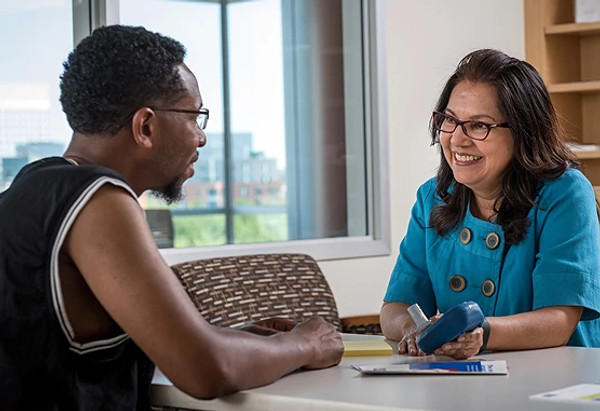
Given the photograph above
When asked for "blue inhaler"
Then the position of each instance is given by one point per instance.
(456, 321)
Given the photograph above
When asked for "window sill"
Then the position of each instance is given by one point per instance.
(320, 250)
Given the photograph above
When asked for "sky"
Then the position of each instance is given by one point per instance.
(37, 34)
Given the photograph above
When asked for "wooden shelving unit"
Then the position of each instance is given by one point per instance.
(567, 55)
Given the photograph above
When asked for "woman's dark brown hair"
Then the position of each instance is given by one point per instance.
(540, 150)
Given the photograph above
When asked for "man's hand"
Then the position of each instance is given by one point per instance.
(324, 340)
(269, 326)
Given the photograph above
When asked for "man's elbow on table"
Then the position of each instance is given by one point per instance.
(211, 378)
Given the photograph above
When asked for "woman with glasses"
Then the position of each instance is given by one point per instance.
(508, 222)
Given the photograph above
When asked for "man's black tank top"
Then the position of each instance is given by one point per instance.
(41, 366)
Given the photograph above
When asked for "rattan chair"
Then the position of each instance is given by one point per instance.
(231, 291)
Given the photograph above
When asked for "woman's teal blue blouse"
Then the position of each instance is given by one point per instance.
(558, 262)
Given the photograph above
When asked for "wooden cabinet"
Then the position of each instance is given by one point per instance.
(567, 55)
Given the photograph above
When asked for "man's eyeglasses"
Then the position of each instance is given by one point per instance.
(474, 129)
(201, 119)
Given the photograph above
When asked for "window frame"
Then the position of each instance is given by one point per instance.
(90, 14)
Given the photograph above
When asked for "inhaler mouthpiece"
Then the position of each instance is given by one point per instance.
(419, 318)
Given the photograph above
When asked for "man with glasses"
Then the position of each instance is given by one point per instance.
(509, 221)
(87, 303)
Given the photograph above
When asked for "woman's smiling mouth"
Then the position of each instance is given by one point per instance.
(462, 158)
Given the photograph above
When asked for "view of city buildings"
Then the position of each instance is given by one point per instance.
(257, 180)
(24, 128)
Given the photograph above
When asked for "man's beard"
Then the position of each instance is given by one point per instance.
(172, 193)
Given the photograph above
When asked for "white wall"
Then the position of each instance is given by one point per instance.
(425, 40)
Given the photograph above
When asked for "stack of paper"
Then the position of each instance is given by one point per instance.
(367, 347)
(444, 368)
(581, 393)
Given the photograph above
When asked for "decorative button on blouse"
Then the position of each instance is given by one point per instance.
(488, 288)
(457, 283)
(492, 241)
(465, 235)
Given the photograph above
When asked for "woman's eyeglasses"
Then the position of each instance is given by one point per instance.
(474, 129)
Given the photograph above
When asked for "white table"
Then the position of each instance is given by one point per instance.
(342, 388)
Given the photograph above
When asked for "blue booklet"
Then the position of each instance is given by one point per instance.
(476, 367)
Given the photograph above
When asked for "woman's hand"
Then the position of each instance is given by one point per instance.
(465, 346)
(408, 344)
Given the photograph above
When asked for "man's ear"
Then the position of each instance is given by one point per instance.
(143, 127)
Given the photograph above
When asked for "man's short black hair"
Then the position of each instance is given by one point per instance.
(115, 71)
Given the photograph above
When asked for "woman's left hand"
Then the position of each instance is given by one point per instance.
(465, 346)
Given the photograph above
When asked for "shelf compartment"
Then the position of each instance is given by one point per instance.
(578, 57)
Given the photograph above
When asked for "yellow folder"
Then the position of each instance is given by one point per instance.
(366, 348)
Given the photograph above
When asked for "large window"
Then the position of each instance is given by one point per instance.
(34, 40)
(293, 159)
